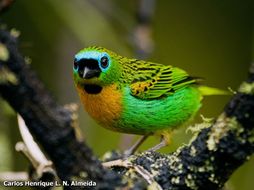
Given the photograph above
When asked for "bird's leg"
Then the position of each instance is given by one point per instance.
(162, 144)
(165, 140)
(134, 147)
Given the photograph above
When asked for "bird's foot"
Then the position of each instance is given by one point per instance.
(127, 153)
(119, 162)
(134, 147)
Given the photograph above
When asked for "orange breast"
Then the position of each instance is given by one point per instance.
(104, 107)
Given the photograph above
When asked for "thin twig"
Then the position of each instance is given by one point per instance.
(33, 152)
(139, 169)
(14, 176)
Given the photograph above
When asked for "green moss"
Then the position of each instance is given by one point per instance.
(251, 137)
(4, 53)
(190, 182)
(198, 127)
(213, 179)
(218, 130)
(83, 174)
(175, 180)
(7, 76)
(193, 151)
(15, 33)
(131, 177)
(247, 88)
(28, 60)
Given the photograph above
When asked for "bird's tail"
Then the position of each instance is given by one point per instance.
(208, 91)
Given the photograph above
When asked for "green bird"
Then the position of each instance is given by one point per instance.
(135, 96)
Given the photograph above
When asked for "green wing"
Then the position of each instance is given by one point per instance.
(152, 80)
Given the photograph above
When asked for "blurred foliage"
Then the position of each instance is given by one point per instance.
(212, 39)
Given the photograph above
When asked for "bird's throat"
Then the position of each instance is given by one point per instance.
(92, 88)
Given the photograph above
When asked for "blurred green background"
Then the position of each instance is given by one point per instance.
(212, 39)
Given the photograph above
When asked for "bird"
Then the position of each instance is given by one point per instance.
(134, 96)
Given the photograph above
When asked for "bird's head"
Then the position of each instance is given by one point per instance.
(95, 68)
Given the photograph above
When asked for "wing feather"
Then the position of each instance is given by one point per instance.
(152, 80)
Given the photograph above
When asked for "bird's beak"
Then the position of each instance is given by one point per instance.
(87, 73)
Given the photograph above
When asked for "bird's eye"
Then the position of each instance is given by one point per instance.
(75, 64)
(104, 62)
